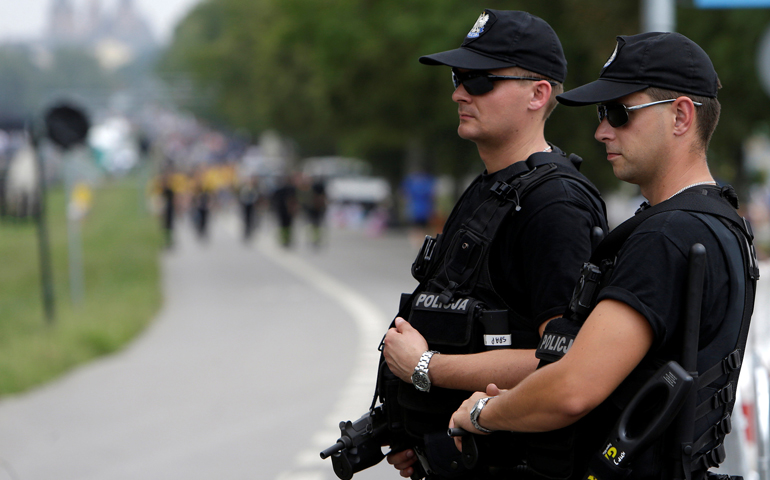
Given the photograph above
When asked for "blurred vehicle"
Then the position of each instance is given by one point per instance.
(114, 145)
(348, 180)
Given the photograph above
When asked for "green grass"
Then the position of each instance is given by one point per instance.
(121, 245)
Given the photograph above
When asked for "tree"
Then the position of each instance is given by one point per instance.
(341, 76)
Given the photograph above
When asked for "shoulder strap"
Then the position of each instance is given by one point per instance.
(504, 199)
(703, 200)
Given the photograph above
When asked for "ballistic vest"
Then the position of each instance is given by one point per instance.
(456, 307)
(719, 373)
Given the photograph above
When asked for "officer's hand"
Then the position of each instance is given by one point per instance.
(403, 462)
(402, 349)
(462, 417)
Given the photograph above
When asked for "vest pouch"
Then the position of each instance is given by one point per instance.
(452, 329)
(463, 256)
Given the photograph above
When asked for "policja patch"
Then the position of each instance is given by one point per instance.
(478, 27)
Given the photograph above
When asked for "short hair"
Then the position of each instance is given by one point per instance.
(707, 115)
(557, 88)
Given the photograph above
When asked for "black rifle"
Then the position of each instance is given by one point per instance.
(360, 445)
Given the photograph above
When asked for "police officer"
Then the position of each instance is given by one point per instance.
(508, 247)
(658, 107)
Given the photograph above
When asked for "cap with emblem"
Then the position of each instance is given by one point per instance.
(507, 38)
(665, 60)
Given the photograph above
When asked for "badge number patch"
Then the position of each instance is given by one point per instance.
(497, 340)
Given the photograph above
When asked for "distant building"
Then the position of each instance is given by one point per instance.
(116, 37)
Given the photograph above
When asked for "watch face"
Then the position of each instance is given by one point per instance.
(421, 381)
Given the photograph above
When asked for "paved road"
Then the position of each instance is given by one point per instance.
(255, 357)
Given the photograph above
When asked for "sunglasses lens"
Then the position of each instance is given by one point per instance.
(475, 83)
(478, 85)
(617, 115)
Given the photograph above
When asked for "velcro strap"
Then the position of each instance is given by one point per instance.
(716, 432)
(710, 459)
(728, 364)
(720, 397)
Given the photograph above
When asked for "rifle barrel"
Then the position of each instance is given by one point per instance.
(337, 447)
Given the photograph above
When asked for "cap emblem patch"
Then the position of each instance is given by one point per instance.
(478, 28)
(612, 57)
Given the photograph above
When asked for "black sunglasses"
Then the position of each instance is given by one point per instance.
(478, 82)
(617, 113)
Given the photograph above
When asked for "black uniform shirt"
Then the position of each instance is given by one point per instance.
(536, 256)
(651, 277)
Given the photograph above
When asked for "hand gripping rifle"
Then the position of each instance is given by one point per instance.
(360, 445)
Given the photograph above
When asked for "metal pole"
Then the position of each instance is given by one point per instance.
(75, 247)
(46, 277)
(658, 16)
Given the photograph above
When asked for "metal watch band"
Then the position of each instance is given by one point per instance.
(476, 411)
(425, 360)
(420, 378)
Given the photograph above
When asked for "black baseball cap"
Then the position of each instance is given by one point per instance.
(507, 38)
(665, 60)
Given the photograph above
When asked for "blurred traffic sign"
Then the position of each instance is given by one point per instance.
(731, 3)
(67, 125)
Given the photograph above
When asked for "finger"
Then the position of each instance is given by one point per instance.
(405, 465)
(401, 457)
(493, 390)
(407, 472)
(402, 325)
(459, 443)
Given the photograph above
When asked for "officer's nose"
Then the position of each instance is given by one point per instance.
(460, 95)
(604, 132)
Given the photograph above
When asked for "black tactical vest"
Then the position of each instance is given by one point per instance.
(717, 381)
(456, 307)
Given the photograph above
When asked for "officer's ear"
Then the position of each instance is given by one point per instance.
(541, 94)
(684, 120)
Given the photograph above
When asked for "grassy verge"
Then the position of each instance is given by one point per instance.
(122, 293)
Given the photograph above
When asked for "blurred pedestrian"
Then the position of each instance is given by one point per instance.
(316, 210)
(201, 207)
(418, 189)
(248, 197)
(285, 205)
(168, 199)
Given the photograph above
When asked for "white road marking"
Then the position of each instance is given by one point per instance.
(356, 394)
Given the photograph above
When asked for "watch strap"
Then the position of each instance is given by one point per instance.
(476, 411)
(425, 360)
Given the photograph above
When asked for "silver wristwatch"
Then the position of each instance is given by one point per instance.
(420, 377)
(476, 411)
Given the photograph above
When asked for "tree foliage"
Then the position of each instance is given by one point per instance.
(341, 76)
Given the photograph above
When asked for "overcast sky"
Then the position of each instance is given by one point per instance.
(26, 19)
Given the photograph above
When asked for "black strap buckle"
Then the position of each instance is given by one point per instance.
(732, 362)
(717, 455)
(501, 189)
(710, 459)
(724, 427)
(723, 396)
